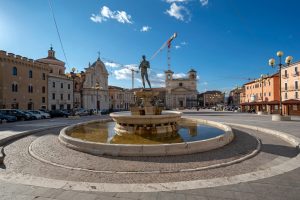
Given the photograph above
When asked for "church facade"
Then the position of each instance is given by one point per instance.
(181, 92)
(95, 87)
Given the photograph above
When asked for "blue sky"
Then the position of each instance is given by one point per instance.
(226, 41)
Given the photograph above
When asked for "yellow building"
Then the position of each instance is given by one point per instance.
(23, 82)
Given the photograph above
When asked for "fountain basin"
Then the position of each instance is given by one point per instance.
(181, 148)
(146, 124)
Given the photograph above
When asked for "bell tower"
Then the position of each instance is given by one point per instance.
(169, 77)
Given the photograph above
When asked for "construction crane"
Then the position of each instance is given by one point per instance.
(166, 44)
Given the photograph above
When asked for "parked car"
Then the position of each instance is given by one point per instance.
(17, 113)
(43, 114)
(44, 110)
(58, 113)
(35, 115)
(7, 118)
(82, 112)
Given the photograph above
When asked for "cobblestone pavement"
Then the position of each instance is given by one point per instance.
(284, 186)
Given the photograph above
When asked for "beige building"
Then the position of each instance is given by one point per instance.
(60, 86)
(181, 92)
(23, 82)
(95, 87)
(290, 89)
(213, 98)
(234, 98)
(120, 98)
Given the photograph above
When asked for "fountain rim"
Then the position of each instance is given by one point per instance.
(97, 148)
(163, 115)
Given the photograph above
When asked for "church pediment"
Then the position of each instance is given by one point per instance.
(180, 89)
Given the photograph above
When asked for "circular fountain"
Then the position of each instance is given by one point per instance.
(146, 119)
(146, 131)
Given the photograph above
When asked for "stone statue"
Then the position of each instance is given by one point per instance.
(144, 73)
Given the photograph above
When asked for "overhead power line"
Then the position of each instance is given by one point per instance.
(60, 40)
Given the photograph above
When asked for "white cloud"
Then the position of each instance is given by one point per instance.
(125, 73)
(179, 12)
(145, 29)
(204, 2)
(112, 64)
(180, 75)
(177, 47)
(178, 1)
(106, 13)
(183, 43)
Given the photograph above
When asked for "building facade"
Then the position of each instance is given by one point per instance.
(234, 98)
(290, 92)
(212, 98)
(95, 87)
(120, 98)
(60, 86)
(23, 82)
(262, 95)
(181, 92)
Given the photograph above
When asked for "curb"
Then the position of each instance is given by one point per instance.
(20, 135)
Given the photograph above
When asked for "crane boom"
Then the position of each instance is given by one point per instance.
(168, 44)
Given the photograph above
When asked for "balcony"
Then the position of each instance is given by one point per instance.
(284, 76)
(295, 74)
(292, 88)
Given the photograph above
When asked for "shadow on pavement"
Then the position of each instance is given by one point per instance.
(280, 150)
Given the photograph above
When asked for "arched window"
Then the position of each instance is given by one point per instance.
(30, 89)
(15, 71)
(30, 74)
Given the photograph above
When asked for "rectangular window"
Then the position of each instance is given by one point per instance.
(44, 76)
(269, 94)
(69, 97)
(285, 96)
(285, 86)
(53, 84)
(43, 100)
(69, 86)
(296, 70)
(296, 85)
(53, 96)
(30, 74)
(61, 85)
(296, 95)
(61, 96)
(43, 89)
(285, 73)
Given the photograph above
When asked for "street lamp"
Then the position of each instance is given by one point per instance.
(73, 75)
(272, 63)
(97, 87)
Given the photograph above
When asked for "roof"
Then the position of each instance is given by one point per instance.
(169, 71)
(192, 70)
(98, 61)
(291, 101)
(271, 76)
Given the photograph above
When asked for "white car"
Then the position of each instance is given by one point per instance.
(35, 115)
(43, 114)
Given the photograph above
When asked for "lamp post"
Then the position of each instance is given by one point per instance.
(272, 62)
(97, 87)
(73, 75)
